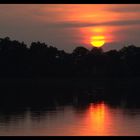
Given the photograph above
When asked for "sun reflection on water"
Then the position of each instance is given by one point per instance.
(97, 116)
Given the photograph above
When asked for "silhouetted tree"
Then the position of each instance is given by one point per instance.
(41, 60)
(80, 51)
(96, 51)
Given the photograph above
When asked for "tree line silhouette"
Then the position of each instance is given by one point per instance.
(41, 60)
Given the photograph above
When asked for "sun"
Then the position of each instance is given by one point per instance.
(97, 41)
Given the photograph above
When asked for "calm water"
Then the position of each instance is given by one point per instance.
(91, 119)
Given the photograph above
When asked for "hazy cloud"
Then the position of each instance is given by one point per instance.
(125, 8)
(79, 24)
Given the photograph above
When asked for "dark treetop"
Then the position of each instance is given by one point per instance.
(41, 60)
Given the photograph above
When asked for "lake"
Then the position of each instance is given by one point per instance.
(90, 119)
(70, 107)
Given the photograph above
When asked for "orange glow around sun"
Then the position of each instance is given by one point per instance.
(97, 36)
(97, 41)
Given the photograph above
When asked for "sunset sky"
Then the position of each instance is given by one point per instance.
(67, 26)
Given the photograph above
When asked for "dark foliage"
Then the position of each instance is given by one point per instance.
(36, 74)
(41, 60)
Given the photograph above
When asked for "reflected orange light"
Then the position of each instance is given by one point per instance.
(97, 116)
(94, 121)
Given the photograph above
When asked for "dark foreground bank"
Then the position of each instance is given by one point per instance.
(24, 92)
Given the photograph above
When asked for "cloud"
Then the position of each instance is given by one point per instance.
(85, 24)
(128, 8)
